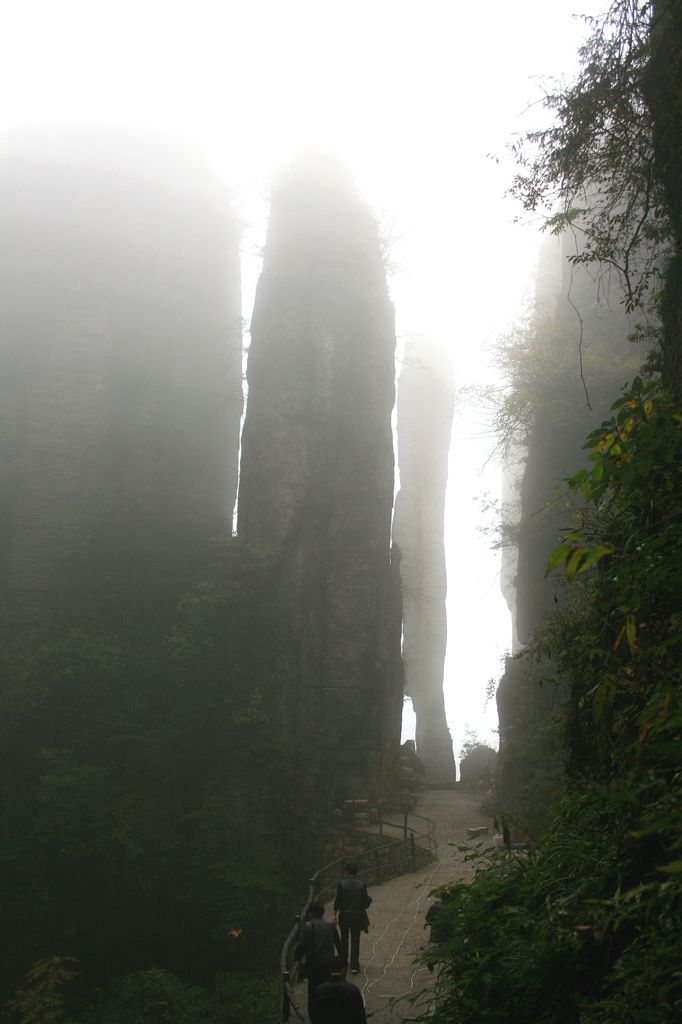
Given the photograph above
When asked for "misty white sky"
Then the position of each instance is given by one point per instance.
(415, 95)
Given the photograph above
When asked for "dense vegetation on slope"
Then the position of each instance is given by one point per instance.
(587, 927)
(140, 792)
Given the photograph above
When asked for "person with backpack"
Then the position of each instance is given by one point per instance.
(317, 941)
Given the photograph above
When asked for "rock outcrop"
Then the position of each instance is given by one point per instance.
(575, 322)
(317, 475)
(478, 765)
(663, 94)
(572, 318)
(120, 374)
(425, 412)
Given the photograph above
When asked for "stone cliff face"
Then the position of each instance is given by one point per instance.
(120, 374)
(570, 305)
(425, 411)
(663, 93)
(317, 475)
(562, 419)
(511, 479)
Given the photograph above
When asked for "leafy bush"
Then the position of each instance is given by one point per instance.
(577, 930)
(39, 998)
(153, 996)
(242, 999)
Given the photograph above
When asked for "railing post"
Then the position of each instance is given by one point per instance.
(412, 854)
(285, 997)
(404, 824)
(377, 867)
(381, 821)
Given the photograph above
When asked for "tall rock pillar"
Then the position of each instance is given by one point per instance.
(120, 375)
(317, 473)
(425, 410)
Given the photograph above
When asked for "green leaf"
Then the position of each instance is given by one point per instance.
(558, 557)
(574, 560)
(583, 556)
(631, 633)
(593, 555)
(670, 747)
(673, 868)
(603, 697)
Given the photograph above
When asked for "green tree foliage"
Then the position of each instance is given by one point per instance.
(594, 169)
(607, 167)
(152, 995)
(622, 639)
(155, 996)
(39, 999)
(139, 794)
(477, 759)
(545, 381)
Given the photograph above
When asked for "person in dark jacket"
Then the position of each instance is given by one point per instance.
(351, 904)
(316, 943)
(433, 913)
(337, 1001)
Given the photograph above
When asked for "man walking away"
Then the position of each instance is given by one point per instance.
(337, 1001)
(316, 943)
(351, 903)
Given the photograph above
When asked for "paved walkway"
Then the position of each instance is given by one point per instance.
(389, 976)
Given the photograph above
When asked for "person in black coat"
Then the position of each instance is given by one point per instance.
(433, 914)
(351, 904)
(316, 944)
(337, 1001)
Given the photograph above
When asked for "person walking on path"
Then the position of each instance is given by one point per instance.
(316, 944)
(337, 1001)
(352, 900)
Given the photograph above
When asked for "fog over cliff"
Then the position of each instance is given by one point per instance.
(248, 85)
(120, 370)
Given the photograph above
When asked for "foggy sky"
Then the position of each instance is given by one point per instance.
(418, 98)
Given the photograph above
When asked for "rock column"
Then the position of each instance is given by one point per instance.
(317, 473)
(425, 411)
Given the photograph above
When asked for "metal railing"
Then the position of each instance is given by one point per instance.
(375, 864)
(427, 833)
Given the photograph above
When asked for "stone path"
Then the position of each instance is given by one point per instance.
(389, 976)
